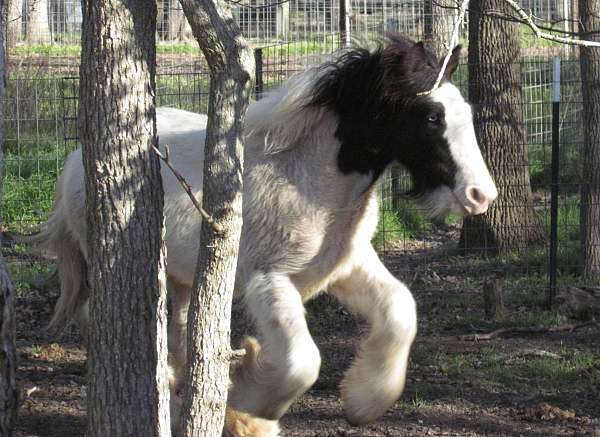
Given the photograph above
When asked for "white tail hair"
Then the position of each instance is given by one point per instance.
(55, 239)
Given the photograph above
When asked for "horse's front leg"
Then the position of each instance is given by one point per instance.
(376, 378)
(287, 362)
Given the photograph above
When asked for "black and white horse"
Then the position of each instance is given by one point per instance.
(314, 150)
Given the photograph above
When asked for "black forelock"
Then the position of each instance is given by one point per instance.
(360, 78)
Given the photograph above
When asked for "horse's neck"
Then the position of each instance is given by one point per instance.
(311, 168)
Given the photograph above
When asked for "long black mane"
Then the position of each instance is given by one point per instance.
(378, 97)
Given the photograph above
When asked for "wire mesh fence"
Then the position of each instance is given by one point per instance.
(41, 111)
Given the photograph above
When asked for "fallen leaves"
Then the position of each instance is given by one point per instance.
(545, 411)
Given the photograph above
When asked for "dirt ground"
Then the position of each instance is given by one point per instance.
(525, 385)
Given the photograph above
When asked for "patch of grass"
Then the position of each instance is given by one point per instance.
(24, 274)
(570, 368)
(473, 319)
(46, 50)
(402, 224)
(190, 48)
(299, 48)
(28, 188)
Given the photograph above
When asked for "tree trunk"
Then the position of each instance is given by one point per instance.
(127, 363)
(15, 19)
(8, 352)
(161, 19)
(38, 27)
(438, 16)
(589, 11)
(9, 395)
(231, 67)
(495, 91)
(179, 29)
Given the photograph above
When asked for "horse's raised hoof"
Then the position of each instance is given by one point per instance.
(364, 398)
(240, 424)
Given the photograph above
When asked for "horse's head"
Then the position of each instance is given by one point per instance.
(386, 114)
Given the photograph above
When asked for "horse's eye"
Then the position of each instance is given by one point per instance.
(434, 118)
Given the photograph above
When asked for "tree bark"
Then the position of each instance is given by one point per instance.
(231, 67)
(8, 352)
(38, 27)
(179, 29)
(9, 395)
(128, 387)
(438, 16)
(589, 11)
(495, 91)
(14, 25)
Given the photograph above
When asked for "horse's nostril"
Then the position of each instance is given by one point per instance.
(476, 196)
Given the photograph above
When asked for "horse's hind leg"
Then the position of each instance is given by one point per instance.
(376, 378)
(287, 363)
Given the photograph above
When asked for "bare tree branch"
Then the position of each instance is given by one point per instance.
(188, 189)
(544, 35)
(506, 17)
(525, 19)
(462, 9)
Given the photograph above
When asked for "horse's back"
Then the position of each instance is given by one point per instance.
(183, 132)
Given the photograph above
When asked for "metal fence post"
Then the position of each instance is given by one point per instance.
(344, 23)
(555, 179)
(258, 73)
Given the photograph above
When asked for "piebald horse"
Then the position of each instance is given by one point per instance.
(314, 150)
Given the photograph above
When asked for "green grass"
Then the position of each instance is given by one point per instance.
(515, 368)
(326, 45)
(568, 369)
(190, 48)
(50, 50)
(405, 223)
(25, 274)
(46, 50)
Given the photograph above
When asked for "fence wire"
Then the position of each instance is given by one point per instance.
(288, 37)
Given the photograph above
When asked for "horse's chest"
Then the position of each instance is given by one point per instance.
(343, 239)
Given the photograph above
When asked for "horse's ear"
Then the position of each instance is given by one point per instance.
(452, 62)
(416, 58)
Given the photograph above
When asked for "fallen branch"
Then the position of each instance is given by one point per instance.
(188, 189)
(507, 332)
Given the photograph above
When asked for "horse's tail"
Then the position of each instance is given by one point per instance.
(56, 239)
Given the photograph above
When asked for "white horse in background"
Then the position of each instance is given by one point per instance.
(314, 150)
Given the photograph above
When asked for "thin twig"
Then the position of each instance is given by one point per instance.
(462, 9)
(526, 19)
(505, 332)
(538, 32)
(188, 189)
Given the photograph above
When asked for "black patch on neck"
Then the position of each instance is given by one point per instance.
(381, 116)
